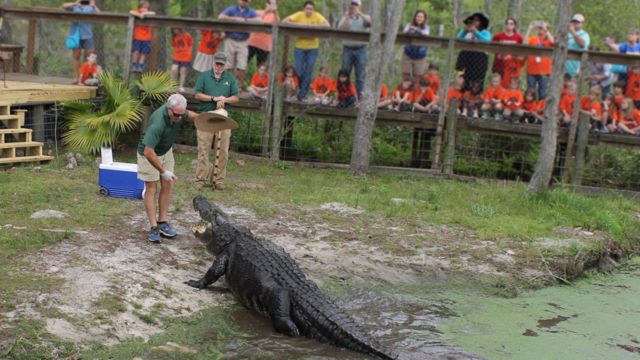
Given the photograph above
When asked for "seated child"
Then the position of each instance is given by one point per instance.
(424, 99)
(259, 86)
(455, 92)
(322, 87)
(566, 104)
(629, 118)
(402, 96)
(89, 71)
(384, 102)
(513, 99)
(591, 104)
(633, 85)
(533, 110)
(472, 100)
(291, 82)
(492, 105)
(433, 77)
(346, 94)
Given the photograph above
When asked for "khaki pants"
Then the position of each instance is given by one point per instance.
(204, 168)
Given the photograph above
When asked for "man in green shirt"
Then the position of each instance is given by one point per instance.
(155, 161)
(215, 89)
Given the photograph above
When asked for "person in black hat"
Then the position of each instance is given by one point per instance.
(474, 64)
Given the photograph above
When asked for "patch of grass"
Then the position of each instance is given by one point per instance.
(111, 302)
(28, 340)
(147, 318)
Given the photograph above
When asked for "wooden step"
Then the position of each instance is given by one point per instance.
(20, 144)
(5, 109)
(23, 159)
(11, 121)
(21, 135)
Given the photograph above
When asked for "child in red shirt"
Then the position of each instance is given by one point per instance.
(384, 102)
(629, 120)
(633, 85)
(89, 71)
(141, 37)
(567, 103)
(259, 86)
(322, 87)
(513, 100)
(291, 83)
(492, 105)
(424, 99)
(346, 95)
(591, 104)
(533, 109)
(512, 68)
(433, 77)
(182, 56)
(207, 47)
(402, 96)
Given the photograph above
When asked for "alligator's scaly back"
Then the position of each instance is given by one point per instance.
(314, 314)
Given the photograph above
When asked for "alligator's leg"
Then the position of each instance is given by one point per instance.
(213, 274)
(279, 306)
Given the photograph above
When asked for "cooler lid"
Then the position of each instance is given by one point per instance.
(118, 166)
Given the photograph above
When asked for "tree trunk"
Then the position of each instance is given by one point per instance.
(488, 5)
(374, 73)
(544, 167)
(514, 9)
(457, 14)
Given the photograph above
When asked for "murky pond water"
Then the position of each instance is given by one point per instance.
(597, 318)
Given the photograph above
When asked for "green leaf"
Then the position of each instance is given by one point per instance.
(156, 86)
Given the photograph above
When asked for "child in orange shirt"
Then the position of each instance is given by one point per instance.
(384, 102)
(455, 91)
(633, 85)
(629, 121)
(141, 37)
(182, 55)
(512, 68)
(322, 87)
(513, 100)
(424, 99)
(89, 71)
(433, 77)
(472, 100)
(402, 96)
(591, 104)
(346, 95)
(492, 105)
(611, 105)
(259, 86)
(207, 47)
(291, 83)
(533, 109)
(566, 104)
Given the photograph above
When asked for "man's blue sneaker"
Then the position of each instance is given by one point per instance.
(154, 235)
(166, 230)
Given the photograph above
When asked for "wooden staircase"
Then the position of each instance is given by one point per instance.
(16, 145)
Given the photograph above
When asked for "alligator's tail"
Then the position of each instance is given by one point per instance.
(325, 321)
(209, 211)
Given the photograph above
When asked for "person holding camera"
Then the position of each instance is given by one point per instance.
(354, 53)
(83, 31)
(414, 58)
(474, 64)
(538, 67)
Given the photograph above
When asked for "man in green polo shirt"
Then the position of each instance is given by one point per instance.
(215, 89)
(155, 161)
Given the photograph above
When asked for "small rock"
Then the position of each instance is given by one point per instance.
(70, 166)
(48, 214)
(98, 161)
(79, 158)
(241, 162)
(70, 156)
(53, 270)
(398, 201)
(37, 169)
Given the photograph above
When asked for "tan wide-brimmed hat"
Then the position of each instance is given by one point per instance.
(214, 121)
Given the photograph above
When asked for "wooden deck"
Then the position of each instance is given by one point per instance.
(24, 89)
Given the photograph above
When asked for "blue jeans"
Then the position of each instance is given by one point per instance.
(539, 81)
(305, 60)
(355, 57)
(345, 103)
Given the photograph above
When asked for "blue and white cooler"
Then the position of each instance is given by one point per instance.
(119, 180)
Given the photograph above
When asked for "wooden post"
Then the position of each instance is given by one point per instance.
(278, 111)
(452, 120)
(274, 67)
(446, 82)
(153, 57)
(285, 52)
(31, 45)
(127, 49)
(38, 123)
(581, 147)
(573, 128)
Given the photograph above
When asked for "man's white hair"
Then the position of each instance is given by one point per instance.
(176, 100)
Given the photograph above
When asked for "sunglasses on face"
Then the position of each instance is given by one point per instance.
(175, 114)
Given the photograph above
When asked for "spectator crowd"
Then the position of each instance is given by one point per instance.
(516, 90)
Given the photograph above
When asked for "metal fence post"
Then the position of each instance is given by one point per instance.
(452, 120)
(581, 147)
(446, 80)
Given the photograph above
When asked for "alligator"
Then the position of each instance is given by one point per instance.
(265, 278)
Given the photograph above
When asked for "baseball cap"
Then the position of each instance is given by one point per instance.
(578, 18)
(220, 58)
(357, 2)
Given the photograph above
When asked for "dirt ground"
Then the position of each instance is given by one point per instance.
(117, 286)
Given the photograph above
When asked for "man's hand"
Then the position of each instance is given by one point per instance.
(168, 176)
(220, 104)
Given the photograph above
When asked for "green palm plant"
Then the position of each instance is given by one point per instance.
(89, 130)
